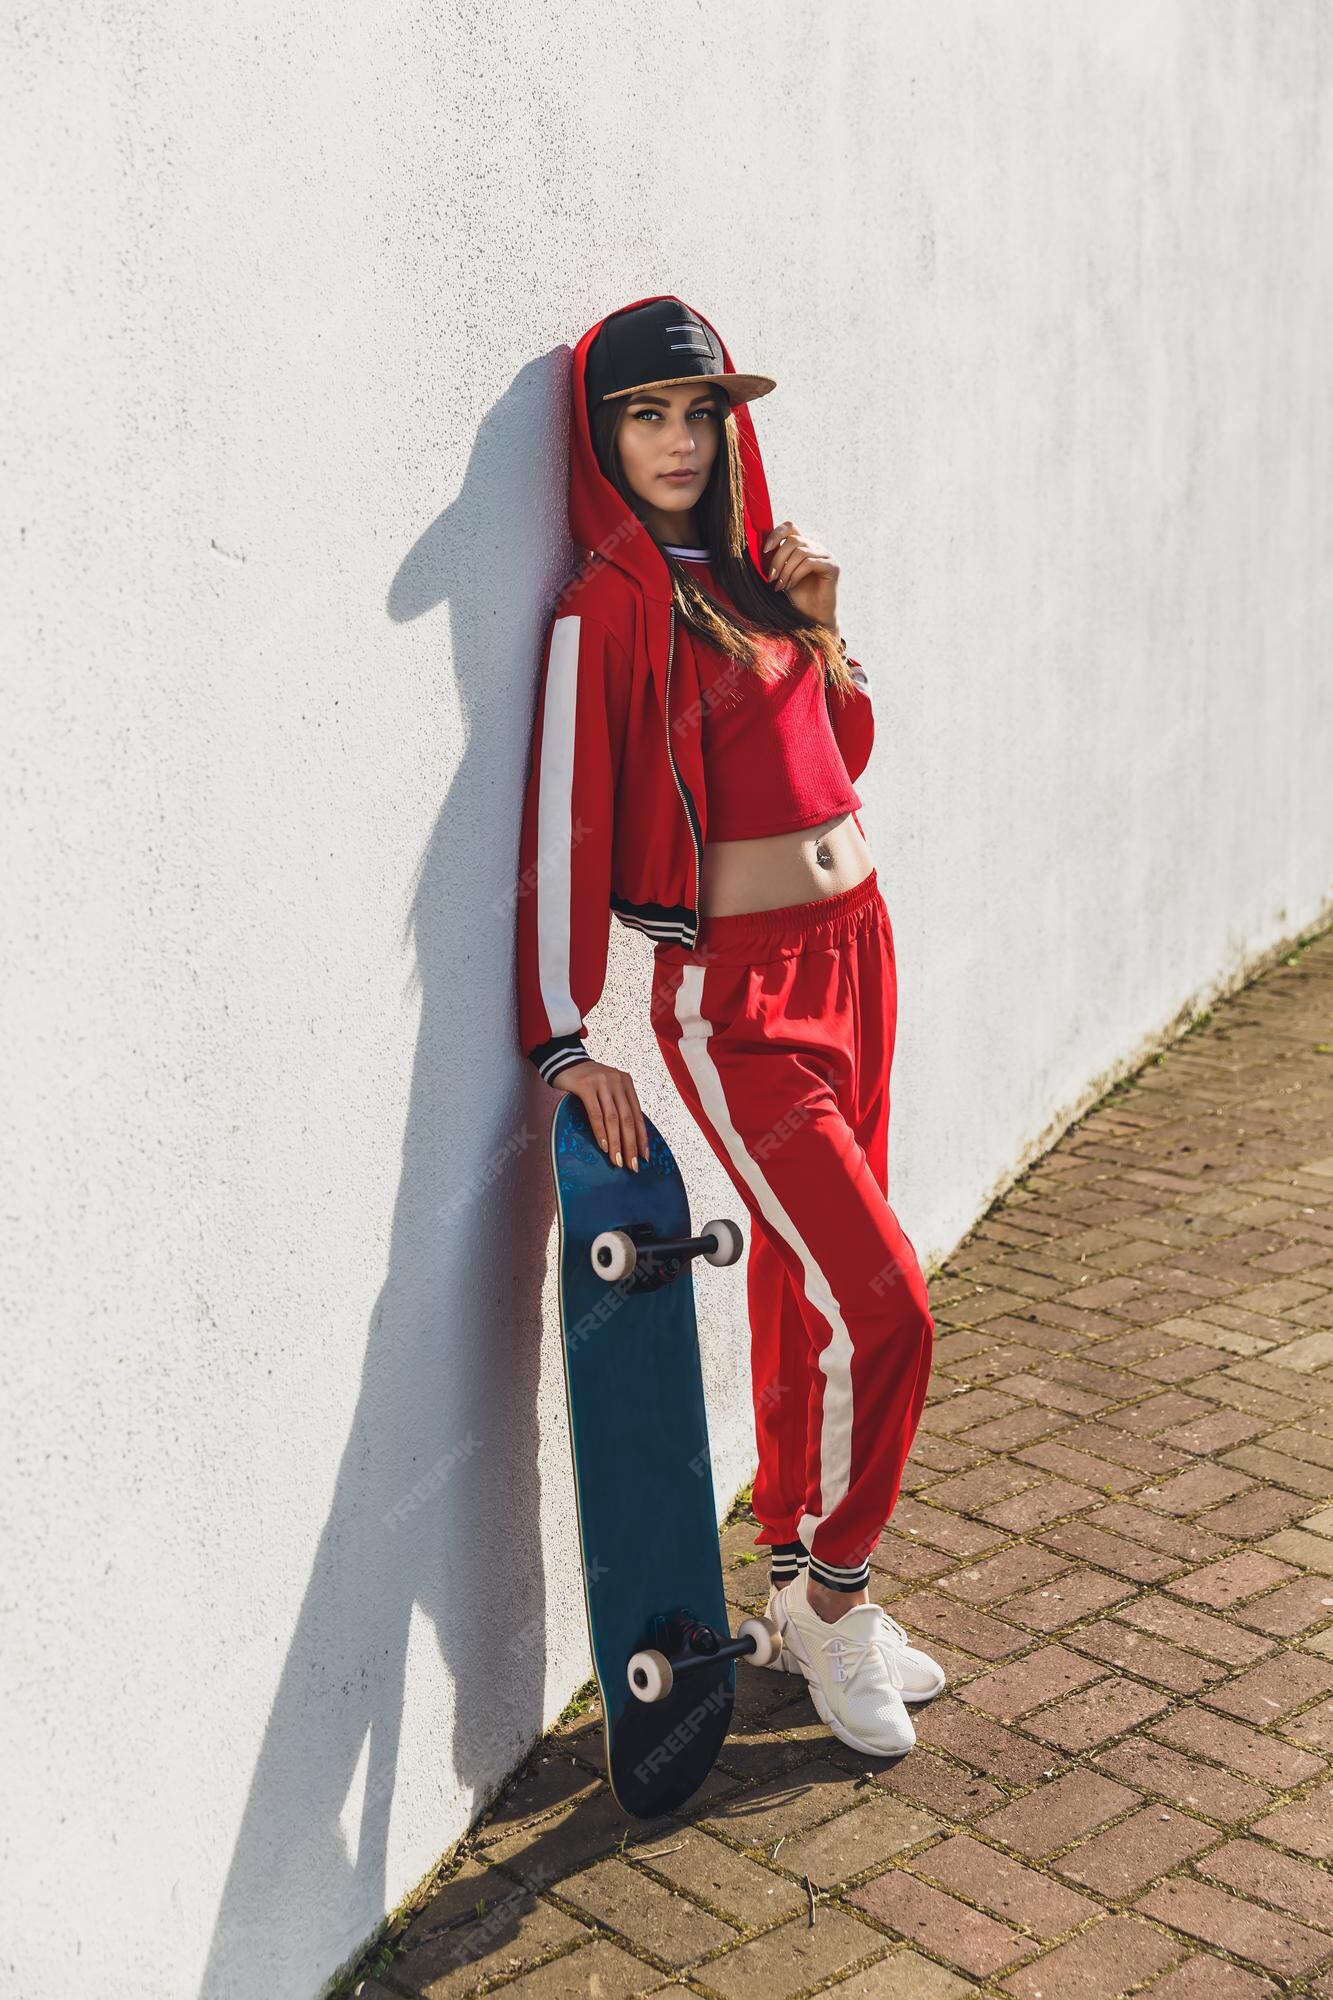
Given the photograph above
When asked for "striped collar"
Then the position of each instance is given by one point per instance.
(687, 555)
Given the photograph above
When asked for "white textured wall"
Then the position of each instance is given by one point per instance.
(288, 302)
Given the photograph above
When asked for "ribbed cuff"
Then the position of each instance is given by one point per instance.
(837, 1577)
(561, 1052)
(786, 1560)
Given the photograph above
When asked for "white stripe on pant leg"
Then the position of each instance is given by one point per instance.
(835, 1359)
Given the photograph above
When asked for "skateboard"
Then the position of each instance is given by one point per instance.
(662, 1646)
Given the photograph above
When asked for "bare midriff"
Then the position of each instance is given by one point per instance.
(745, 875)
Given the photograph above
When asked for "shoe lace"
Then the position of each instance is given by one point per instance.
(849, 1655)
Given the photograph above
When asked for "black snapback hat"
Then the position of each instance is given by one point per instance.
(656, 345)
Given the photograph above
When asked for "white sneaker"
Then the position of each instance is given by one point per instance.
(783, 1663)
(919, 1677)
(861, 1670)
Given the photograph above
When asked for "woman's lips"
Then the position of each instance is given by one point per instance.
(678, 478)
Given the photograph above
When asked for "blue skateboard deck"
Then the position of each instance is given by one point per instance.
(643, 1473)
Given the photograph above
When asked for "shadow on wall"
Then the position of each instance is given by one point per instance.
(436, 1509)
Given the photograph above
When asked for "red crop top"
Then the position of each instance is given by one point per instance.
(771, 761)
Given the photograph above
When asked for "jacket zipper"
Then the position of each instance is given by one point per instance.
(680, 787)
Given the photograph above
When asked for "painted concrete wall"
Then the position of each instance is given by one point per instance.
(290, 1567)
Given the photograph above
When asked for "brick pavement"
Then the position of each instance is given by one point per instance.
(1115, 1534)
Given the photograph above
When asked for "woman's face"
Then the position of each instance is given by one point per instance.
(668, 440)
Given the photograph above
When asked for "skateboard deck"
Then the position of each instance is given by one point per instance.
(643, 1473)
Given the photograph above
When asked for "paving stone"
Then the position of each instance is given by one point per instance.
(1222, 1584)
(971, 1406)
(1268, 1692)
(975, 1739)
(1016, 1894)
(970, 1491)
(1056, 1605)
(1214, 1637)
(1019, 1427)
(942, 1530)
(1127, 1857)
(903, 1975)
(1155, 1457)
(1151, 1659)
(1221, 1430)
(716, 1875)
(1211, 1979)
(1297, 1443)
(1278, 1944)
(932, 1615)
(1185, 1540)
(1219, 1795)
(1255, 1514)
(1043, 1503)
(1051, 1394)
(1305, 1824)
(657, 1920)
(1011, 1691)
(1295, 1545)
(1314, 1728)
(1087, 1472)
(784, 1805)
(1155, 1414)
(1236, 1745)
(1113, 1958)
(1084, 1720)
(1190, 1492)
(1114, 1552)
(1021, 1568)
(939, 1923)
(1295, 1475)
(795, 1956)
(865, 1836)
(450, 1948)
(956, 1795)
(1057, 1813)
(540, 1855)
(898, 1557)
(599, 1968)
(550, 1780)
(1256, 1869)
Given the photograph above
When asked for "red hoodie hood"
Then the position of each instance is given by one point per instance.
(597, 517)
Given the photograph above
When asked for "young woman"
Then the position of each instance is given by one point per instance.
(698, 731)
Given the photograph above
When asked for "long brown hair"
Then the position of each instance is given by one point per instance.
(763, 610)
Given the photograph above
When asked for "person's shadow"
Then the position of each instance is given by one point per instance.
(433, 1536)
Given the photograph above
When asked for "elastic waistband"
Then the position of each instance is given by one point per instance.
(753, 935)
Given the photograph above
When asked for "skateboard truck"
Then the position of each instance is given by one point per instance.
(620, 1253)
(651, 1673)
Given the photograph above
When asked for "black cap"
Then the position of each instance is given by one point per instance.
(655, 345)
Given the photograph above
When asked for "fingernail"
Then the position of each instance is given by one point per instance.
(619, 1161)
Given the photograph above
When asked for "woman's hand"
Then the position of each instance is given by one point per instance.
(807, 574)
(612, 1104)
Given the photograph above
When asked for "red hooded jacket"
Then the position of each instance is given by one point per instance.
(614, 811)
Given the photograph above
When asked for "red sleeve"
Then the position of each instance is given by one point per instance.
(565, 841)
(853, 720)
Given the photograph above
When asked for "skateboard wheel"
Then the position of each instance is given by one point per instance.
(767, 1640)
(649, 1675)
(730, 1242)
(614, 1254)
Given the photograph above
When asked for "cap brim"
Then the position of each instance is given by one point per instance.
(739, 388)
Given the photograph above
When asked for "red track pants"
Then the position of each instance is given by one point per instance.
(778, 1029)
